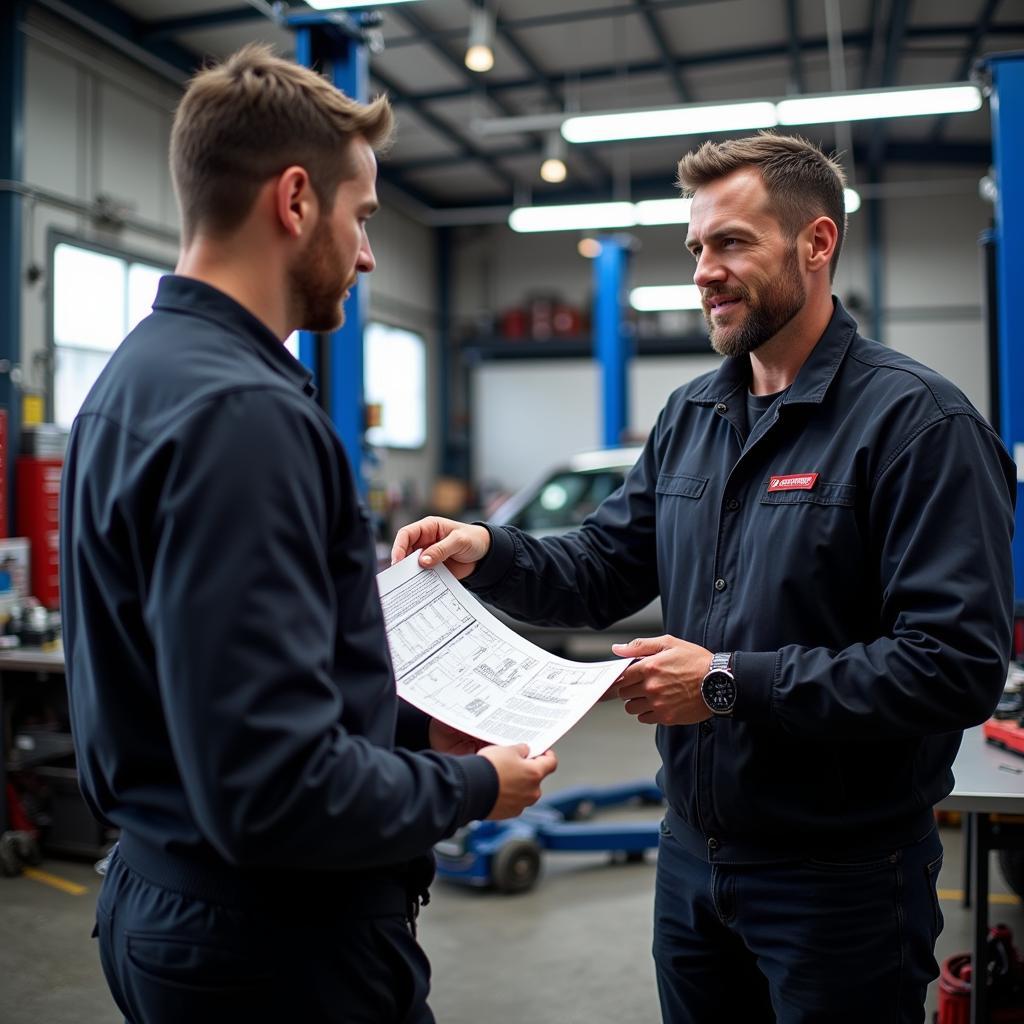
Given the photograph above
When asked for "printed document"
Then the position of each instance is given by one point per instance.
(454, 660)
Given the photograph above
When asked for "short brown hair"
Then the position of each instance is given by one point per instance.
(243, 121)
(802, 182)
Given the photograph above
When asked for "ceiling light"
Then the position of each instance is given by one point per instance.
(864, 105)
(663, 211)
(589, 248)
(650, 124)
(553, 168)
(333, 5)
(480, 45)
(579, 216)
(654, 298)
(851, 200)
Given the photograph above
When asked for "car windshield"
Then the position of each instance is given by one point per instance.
(567, 498)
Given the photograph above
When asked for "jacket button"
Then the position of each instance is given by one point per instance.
(705, 728)
(732, 504)
(721, 407)
(720, 585)
(713, 844)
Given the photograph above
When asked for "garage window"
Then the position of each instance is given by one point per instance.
(395, 378)
(98, 296)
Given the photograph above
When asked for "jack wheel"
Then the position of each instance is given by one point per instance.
(516, 866)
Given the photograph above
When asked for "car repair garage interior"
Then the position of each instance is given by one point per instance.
(531, 311)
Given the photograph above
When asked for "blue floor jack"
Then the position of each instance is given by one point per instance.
(506, 855)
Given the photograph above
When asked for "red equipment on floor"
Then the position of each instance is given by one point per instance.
(1005, 980)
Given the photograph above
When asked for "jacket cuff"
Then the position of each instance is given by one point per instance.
(412, 729)
(755, 681)
(493, 567)
(481, 782)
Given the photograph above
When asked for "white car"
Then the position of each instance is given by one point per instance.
(556, 503)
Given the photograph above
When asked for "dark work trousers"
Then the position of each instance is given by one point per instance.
(810, 942)
(170, 958)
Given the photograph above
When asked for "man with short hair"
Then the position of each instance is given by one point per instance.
(231, 692)
(828, 523)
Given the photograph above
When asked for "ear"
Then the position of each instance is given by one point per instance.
(820, 238)
(295, 201)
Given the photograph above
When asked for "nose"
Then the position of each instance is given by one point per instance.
(365, 261)
(709, 270)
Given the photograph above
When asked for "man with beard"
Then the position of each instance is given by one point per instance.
(231, 693)
(828, 524)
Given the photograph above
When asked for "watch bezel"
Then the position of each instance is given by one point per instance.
(710, 679)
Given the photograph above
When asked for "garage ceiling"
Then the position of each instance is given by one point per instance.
(591, 55)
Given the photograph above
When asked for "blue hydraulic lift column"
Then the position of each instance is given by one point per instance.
(307, 339)
(611, 345)
(12, 113)
(1007, 105)
(318, 39)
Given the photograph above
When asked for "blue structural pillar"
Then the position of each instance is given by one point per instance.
(611, 346)
(12, 110)
(1007, 105)
(320, 41)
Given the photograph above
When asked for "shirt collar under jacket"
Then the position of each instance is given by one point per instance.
(813, 378)
(196, 298)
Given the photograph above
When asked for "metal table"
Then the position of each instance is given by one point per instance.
(27, 661)
(989, 781)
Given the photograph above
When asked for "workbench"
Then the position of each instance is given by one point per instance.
(27, 663)
(989, 783)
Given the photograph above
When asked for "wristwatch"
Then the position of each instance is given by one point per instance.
(718, 687)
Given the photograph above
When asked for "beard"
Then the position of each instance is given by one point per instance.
(782, 298)
(316, 285)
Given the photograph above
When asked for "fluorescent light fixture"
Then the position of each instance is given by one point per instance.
(654, 298)
(663, 211)
(865, 104)
(480, 45)
(652, 124)
(335, 5)
(577, 217)
(851, 200)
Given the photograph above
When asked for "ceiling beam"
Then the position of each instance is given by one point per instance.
(668, 59)
(796, 64)
(981, 26)
(852, 40)
(464, 146)
(899, 16)
(162, 28)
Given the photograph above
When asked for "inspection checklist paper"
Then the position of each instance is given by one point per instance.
(454, 660)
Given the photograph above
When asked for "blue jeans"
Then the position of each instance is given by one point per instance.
(173, 959)
(804, 942)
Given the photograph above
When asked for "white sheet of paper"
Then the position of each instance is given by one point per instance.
(457, 662)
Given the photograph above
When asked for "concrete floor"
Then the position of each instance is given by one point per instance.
(575, 949)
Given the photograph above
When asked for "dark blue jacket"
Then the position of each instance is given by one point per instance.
(870, 612)
(231, 691)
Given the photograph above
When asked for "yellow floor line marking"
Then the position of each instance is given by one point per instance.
(72, 888)
(1006, 898)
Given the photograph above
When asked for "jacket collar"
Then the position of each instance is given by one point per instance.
(812, 379)
(188, 295)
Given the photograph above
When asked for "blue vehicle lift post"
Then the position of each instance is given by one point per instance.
(336, 41)
(611, 344)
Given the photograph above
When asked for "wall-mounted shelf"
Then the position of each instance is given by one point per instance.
(476, 350)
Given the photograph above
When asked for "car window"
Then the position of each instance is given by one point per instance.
(567, 498)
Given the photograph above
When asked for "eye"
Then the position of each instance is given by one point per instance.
(695, 252)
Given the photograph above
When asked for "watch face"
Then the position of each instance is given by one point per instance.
(719, 692)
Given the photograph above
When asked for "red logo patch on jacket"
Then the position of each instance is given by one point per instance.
(792, 482)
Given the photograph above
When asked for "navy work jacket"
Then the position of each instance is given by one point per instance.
(853, 550)
(231, 691)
